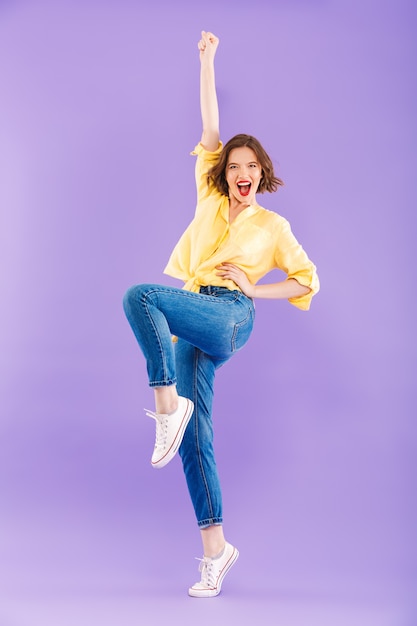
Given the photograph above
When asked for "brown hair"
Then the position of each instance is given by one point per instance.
(217, 174)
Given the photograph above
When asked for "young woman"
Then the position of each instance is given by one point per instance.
(230, 244)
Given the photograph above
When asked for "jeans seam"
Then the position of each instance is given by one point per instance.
(200, 463)
(161, 352)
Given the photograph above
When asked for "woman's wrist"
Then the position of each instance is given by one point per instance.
(207, 64)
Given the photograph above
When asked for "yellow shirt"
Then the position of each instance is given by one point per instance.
(257, 241)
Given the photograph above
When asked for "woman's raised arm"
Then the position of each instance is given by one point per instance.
(208, 97)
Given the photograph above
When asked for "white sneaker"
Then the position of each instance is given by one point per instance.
(212, 573)
(170, 430)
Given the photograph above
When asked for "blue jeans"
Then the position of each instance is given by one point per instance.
(211, 326)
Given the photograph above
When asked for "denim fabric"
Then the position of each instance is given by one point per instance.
(210, 326)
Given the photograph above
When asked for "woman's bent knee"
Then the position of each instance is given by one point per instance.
(129, 298)
(134, 295)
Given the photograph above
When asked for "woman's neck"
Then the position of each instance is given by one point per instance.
(236, 207)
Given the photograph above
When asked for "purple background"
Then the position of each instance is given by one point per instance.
(315, 423)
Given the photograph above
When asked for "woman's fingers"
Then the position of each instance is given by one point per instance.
(210, 37)
(202, 42)
(229, 270)
(207, 39)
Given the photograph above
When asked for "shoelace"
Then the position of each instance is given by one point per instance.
(206, 569)
(161, 427)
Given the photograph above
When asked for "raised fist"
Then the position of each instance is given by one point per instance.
(207, 46)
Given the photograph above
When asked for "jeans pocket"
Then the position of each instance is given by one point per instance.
(242, 331)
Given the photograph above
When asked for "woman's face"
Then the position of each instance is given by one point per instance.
(243, 173)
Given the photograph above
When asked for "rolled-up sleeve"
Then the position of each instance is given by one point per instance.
(205, 161)
(293, 260)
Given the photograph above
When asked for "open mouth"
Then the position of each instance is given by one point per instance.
(244, 188)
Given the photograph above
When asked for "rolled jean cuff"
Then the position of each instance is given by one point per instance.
(213, 521)
(163, 383)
